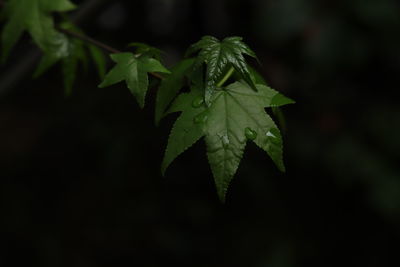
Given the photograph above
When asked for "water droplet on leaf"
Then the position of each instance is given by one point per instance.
(198, 102)
(201, 118)
(269, 134)
(250, 134)
(273, 136)
(225, 141)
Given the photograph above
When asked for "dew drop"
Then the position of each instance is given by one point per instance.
(201, 118)
(225, 141)
(269, 134)
(250, 134)
(198, 102)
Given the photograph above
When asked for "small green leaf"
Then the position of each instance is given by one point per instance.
(219, 57)
(133, 70)
(170, 86)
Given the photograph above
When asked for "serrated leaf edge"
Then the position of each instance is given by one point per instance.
(165, 167)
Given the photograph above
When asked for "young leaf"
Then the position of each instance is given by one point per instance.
(133, 70)
(236, 114)
(219, 56)
(170, 86)
(34, 16)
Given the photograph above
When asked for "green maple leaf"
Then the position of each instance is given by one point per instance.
(236, 115)
(133, 70)
(219, 56)
(34, 16)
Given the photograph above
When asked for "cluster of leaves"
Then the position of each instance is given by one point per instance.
(225, 103)
(227, 116)
(35, 17)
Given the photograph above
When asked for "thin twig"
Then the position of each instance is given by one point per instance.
(89, 40)
(100, 45)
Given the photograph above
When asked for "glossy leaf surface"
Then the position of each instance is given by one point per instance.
(236, 115)
(219, 56)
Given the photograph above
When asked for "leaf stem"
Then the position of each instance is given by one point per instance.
(99, 44)
(226, 77)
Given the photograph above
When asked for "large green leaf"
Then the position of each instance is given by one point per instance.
(236, 114)
(219, 56)
(133, 70)
(34, 16)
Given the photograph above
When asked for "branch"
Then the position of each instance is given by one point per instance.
(99, 44)
(89, 40)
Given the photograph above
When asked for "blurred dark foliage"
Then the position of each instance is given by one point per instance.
(80, 177)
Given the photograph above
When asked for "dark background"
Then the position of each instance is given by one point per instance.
(80, 176)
